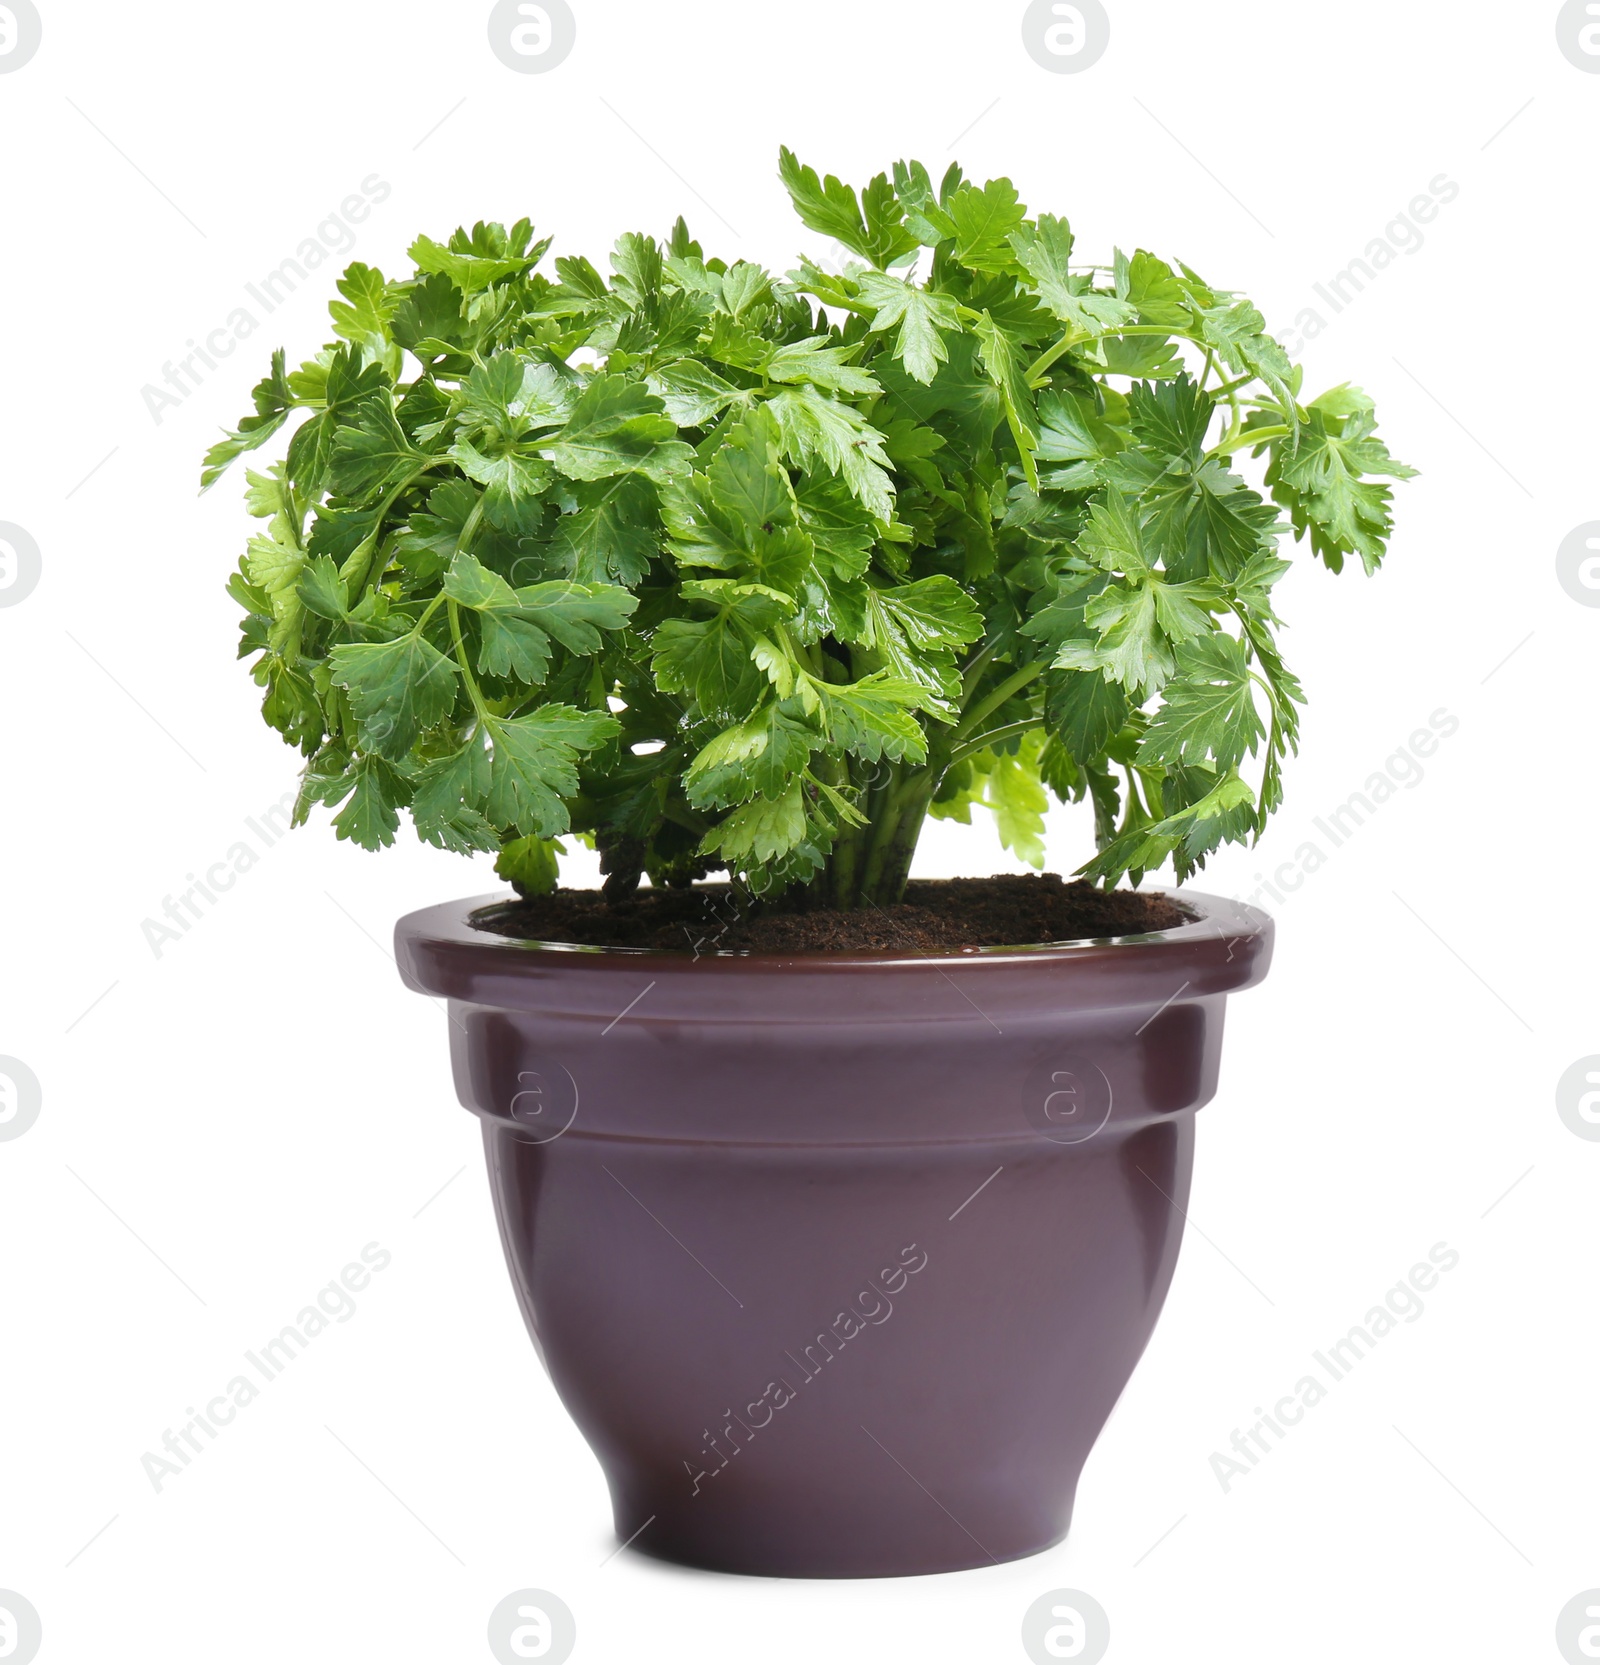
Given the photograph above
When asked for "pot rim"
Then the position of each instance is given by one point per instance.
(1226, 946)
(448, 928)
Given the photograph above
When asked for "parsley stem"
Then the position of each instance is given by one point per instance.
(975, 667)
(1034, 374)
(1077, 338)
(372, 572)
(1013, 684)
(982, 742)
(1239, 439)
(1133, 808)
(469, 529)
(461, 659)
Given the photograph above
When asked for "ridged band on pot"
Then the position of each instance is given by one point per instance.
(840, 1261)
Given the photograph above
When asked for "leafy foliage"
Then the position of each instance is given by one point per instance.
(717, 568)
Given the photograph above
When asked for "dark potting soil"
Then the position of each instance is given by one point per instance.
(938, 916)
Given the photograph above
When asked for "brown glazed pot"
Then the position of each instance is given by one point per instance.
(839, 1262)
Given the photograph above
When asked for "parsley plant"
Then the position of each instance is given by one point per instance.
(719, 569)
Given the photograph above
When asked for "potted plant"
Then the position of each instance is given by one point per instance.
(840, 1211)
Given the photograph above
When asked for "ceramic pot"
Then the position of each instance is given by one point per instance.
(839, 1262)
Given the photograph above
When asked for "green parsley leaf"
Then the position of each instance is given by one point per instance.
(396, 688)
(486, 255)
(924, 318)
(984, 220)
(1324, 482)
(618, 427)
(817, 429)
(533, 766)
(365, 313)
(1207, 712)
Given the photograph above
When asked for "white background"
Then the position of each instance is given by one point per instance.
(226, 1125)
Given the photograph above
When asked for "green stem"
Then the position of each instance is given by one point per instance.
(1132, 807)
(842, 866)
(976, 666)
(374, 538)
(1076, 338)
(1240, 439)
(1034, 374)
(995, 735)
(428, 612)
(844, 860)
(864, 309)
(883, 813)
(992, 702)
(812, 657)
(470, 530)
(461, 659)
(894, 839)
(895, 867)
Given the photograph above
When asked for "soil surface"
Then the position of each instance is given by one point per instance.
(938, 916)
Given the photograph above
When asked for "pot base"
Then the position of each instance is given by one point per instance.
(890, 1556)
